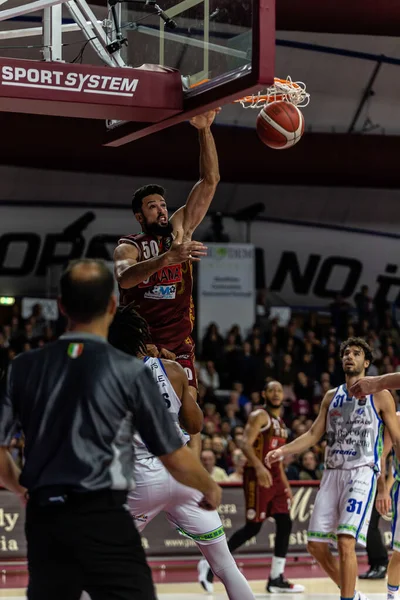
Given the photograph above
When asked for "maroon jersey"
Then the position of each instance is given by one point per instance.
(271, 438)
(165, 299)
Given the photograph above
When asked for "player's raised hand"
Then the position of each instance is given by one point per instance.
(273, 456)
(383, 503)
(364, 387)
(181, 252)
(164, 353)
(204, 120)
(264, 477)
(152, 350)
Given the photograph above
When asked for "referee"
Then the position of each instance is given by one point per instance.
(79, 401)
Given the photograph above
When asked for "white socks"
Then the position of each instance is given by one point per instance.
(277, 567)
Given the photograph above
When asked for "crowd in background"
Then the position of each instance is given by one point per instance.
(233, 369)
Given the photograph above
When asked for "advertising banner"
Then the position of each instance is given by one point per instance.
(226, 286)
(159, 539)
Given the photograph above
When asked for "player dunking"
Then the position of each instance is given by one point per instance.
(354, 430)
(154, 268)
(156, 490)
(264, 431)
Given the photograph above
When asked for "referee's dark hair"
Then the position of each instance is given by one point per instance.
(129, 332)
(86, 287)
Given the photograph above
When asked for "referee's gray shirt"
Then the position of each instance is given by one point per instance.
(79, 401)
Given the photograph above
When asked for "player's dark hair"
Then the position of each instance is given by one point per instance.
(143, 192)
(129, 332)
(86, 298)
(359, 343)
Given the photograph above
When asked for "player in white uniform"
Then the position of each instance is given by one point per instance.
(156, 490)
(385, 502)
(343, 505)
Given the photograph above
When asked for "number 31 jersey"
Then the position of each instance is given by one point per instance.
(173, 404)
(354, 432)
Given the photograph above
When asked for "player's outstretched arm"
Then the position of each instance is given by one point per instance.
(308, 439)
(385, 404)
(258, 420)
(129, 272)
(373, 385)
(190, 415)
(187, 218)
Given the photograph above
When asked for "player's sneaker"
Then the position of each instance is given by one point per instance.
(360, 596)
(280, 585)
(202, 570)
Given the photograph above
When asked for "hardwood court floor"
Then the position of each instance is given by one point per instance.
(316, 589)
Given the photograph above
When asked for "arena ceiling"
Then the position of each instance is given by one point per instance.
(346, 52)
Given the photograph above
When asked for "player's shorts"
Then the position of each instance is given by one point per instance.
(395, 493)
(162, 493)
(261, 502)
(343, 505)
(186, 358)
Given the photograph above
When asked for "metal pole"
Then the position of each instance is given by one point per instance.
(52, 33)
(367, 93)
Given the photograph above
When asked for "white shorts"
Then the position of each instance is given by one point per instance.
(395, 493)
(343, 505)
(180, 504)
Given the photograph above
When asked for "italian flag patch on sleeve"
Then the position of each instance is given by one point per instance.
(75, 350)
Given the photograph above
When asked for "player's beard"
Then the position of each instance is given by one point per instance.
(159, 230)
(271, 406)
(353, 372)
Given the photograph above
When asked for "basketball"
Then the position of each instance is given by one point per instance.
(280, 125)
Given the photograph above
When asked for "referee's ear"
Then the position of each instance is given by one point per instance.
(112, 308)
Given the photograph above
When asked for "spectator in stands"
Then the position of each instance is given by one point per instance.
(239, 462)
(235, 331)
(209, 376)
(226, 429)
(37, 320)
(206, 443)
(291, 468)
(211, 415)
(231, 416)
(363, 303)
(237, 435)
(208, 461)
(309, 467)
(219, 449)
(340, 312)
(287, 372)
(213, 344)
(304, 387)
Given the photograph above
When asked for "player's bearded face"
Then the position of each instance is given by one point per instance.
(155, 217)
(354, 362)
(274, 397)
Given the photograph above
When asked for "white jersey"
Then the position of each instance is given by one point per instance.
(354, 432)
(173, 403)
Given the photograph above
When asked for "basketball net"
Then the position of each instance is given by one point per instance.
(282, 90)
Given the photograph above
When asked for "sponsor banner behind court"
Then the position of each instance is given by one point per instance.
(159, 539)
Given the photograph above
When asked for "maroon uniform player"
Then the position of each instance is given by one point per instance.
(154, 268)
(267, 492)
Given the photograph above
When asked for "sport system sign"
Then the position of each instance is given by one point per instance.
(53, 79)
(87, 91)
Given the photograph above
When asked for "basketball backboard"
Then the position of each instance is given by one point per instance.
(168, 61)
(221, 48)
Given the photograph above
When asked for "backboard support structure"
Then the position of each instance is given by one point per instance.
(158, 66)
